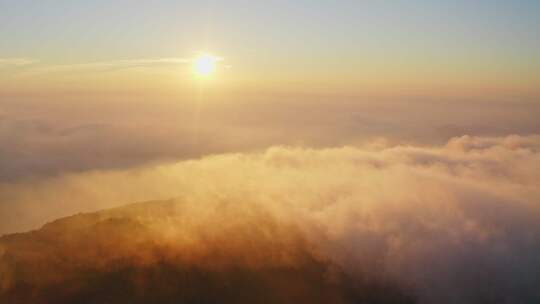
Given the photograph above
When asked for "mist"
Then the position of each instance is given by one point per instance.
(456, 222)
(41, 138)
(266, 152)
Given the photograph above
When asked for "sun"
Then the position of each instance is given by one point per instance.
(204, 65)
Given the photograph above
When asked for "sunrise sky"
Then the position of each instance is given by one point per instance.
(371, 48)
(115, 85)
(307, 151)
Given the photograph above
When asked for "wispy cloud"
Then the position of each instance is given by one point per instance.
(16, 61)
(126, 63)
(108, 65)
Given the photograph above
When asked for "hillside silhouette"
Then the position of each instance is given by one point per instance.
(151, 253)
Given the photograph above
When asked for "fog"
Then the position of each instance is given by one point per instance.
(435, 202)
(40, 138)
(449, 223)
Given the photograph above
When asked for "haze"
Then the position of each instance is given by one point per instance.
(387, 152)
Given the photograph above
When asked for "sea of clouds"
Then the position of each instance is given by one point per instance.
(458, 221)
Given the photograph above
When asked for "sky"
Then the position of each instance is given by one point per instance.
(107, 86)
(382, 48)
(402, 134)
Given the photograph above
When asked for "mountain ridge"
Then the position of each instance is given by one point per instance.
(155, 252)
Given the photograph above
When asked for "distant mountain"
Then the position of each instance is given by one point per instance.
(158, 252)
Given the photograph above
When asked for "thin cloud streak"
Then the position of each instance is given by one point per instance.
(5, 62)
(98, 66)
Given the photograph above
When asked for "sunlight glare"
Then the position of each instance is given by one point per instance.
(204, 65)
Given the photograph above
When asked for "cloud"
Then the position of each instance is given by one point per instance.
(458, 222)
(4, 62)
(100, 66)
(42, 138)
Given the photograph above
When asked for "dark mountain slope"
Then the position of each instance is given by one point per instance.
(167, 252)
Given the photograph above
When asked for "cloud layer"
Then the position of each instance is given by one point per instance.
(457, 223)
(44, 138)
(16, 62)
